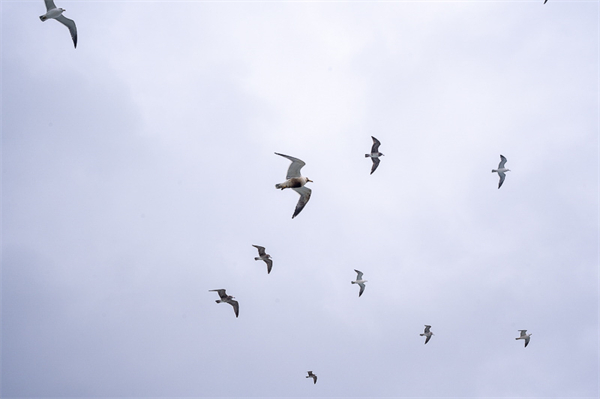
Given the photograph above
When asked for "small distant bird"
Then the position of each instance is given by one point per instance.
(228, 299)
(56, 13)
(311, 375)
(524, 336)
(501, 170)
(359, 281)
(427, 333)
(262, 255)
(375, 154)
(296, 182)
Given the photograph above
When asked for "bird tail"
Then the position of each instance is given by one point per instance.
(256, 258)
(43, 18)
(279, 186)
(367, 155)
(494, 170)
(422, 335)
(218, 301)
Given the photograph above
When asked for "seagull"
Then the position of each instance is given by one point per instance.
(359, 281)
(375, 154)
(264, 256)
(501, 169)
(311, 375)
(56, 13)
(296, 182)
(427, 333)
(228, 299)
(524, 336)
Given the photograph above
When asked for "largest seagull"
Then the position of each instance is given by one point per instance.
(52, 12)
(296, 182)
(501, 170)
(228, 299)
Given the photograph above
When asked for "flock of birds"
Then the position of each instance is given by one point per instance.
(296, 182)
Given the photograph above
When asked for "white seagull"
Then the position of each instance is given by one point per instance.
(501, 170)
(52, 12)
(375, 154)
(524, 336)
(228, 299)
(262, 255)
(296, 182)
(311, 375)
(359, 281)
(427, 333)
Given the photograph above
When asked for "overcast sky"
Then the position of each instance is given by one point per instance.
(139, 169)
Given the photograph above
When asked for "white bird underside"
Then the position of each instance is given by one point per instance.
(52, 12)
(262, 255)
(296, 182)
(228, 299)
(501, 169)
(524, 336)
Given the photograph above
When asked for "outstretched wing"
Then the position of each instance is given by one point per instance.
(502, 177)
(49, 4)
(221, 292)
(523, 333)
(362, 289)
(269, 263)
(69, 23)
(375, 164)
(261, 250)
(427, 328)
(502, 161)
(236, 307)
(295, 166)
(359, 274)
(376, 144)
(428, 338)
(526, 341)
(305, 193)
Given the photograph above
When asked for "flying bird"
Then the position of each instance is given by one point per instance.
(524, 336)
(311, 375)
(359, 281)
(296, 182)
(501, 170)
(427, 333)
(228, 299)
(262, 255)
(52, 12)
(375, 154)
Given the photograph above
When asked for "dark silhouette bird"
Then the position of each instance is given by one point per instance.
(228, 299)
(313, 376)
(375, 154)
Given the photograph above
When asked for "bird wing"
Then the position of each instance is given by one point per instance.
(295, 166)
(427, 328)
(236, 306)
(362, 289)
(314, 378)
(359, 274)
(375, 164)
(502, 176)
(376, 144)
(523, 333)
(526, 341)
(502, 162)
(269, 263)
(221, 292)
(49, 5)
(69, 23)
(428, 338)
(305, 193)
(261, 250)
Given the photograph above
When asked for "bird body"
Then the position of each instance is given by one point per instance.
(374, 154)
(359, 280)
(524, 336)
(427, 333)
(262, 255)
(227, 299)
(296, 182)
(501, 170)
(52, 12)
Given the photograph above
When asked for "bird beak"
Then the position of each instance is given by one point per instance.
(310, 180)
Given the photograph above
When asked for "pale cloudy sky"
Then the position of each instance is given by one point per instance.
(139, 169)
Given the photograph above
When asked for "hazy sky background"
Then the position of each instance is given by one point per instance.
(139, 169)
